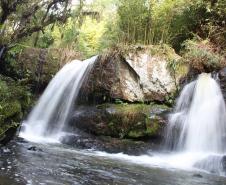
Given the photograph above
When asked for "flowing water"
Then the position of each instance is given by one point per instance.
(194, 142)
(57, 164)
(198, 123)
(47, 120)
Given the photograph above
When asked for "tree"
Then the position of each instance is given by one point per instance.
(21, 18)
(135, 20)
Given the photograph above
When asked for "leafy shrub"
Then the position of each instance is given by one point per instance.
(175, 21)
(134, 20)
(202, 56)
(15, 100)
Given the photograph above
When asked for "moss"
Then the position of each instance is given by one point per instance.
(132, 120)
(152, 126)
(15, 100)
(11, 109)
(151, 129)
(135, 134)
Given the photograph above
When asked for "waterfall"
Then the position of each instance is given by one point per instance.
(198, 121)
(49, 117)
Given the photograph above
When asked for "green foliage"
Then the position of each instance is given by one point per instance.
(175, 21)
(90, 36)
(20, 19)
(45, 40)
(201, 55)
(14, 102)
(111, 35)
(134, 20)
(8, 67)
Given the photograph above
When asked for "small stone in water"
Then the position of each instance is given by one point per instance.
(6, 150)
(197, 175)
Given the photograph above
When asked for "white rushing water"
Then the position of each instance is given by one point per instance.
(198, 122)
(46, 121)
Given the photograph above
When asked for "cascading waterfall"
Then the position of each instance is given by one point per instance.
(48, 118)
(198, 122)
(195, 133)
(197, 127)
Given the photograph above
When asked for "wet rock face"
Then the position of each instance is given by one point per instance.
(85, 140)
(222, 77)
(136, 76)
(121, 121)
(8, 135)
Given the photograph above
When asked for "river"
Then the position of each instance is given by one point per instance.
(26, 163)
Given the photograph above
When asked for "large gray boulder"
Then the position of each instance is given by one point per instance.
(135, 76)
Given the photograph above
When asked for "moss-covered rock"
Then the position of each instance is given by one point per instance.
(121, 120)
(15, 100)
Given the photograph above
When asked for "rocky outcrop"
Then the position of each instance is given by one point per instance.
(121, 121)
(135, 75)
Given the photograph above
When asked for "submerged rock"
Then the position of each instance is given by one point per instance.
(34, 148)
(121, 120)
(213, 164)
(197, 175)
(85, 140)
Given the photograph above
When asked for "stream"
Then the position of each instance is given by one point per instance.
(26, 163)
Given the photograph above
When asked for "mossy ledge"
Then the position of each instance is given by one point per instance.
(134, 121)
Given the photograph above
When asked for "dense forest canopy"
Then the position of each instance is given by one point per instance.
(20, 19)
(89, 27)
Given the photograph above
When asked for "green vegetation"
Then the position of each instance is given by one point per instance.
(202, 56)
(15, 100)
(90, 28)
(134, 120)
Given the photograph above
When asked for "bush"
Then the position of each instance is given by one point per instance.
(15, 100)
(175, 21)
(202, 56)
